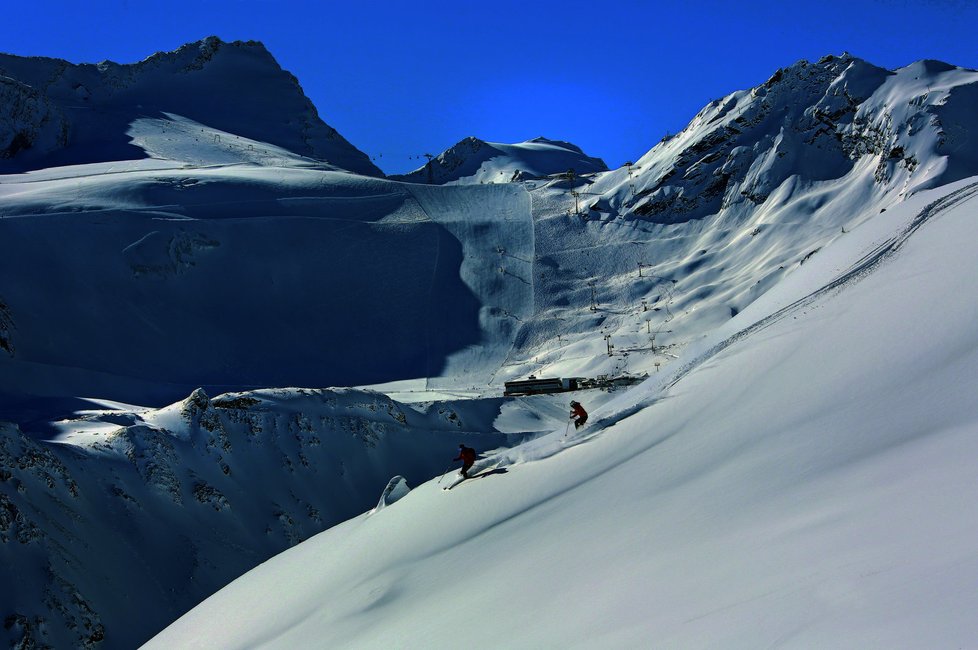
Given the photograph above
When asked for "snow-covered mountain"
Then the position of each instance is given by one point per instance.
(709, 220)
(475, 161)
(808, 123)
(761, 265)
(54, 113)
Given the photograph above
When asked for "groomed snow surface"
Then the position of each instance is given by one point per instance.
(803, 477)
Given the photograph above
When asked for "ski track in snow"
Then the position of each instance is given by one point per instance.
(861, 269)
(858, 271)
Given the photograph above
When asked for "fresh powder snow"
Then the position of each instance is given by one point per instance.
(804, 480)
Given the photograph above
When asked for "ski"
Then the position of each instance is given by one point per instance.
(488, 471)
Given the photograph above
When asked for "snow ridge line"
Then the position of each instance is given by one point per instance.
(861, 269)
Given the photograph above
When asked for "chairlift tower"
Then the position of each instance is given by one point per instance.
(577, 201)
(630, 166)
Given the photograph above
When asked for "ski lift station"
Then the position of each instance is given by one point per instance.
(536, 386)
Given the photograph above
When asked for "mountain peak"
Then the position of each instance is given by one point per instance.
(472, 160)
(808, 122)
(929, 67)
(64, 113)
(204, 50)
(563, 144)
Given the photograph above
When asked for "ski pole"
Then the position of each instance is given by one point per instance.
(443, 474)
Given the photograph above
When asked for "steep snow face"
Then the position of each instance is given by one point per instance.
(55, 113)
(135, 515)
(231, 278)
(475, 161)
(804, 478)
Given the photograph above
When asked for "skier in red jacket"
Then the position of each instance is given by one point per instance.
(578, 414)
(467, 456)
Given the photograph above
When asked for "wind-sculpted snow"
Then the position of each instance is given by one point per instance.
(113, 535)
(397, 488)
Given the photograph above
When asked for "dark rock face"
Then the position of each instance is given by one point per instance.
(813, 121)
(53, 112)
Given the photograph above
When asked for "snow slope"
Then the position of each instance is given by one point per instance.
(801, 479)
(638, 261)
(232, 277)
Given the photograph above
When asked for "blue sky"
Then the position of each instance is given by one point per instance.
(400, 79)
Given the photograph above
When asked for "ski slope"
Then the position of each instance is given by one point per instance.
(801, 479)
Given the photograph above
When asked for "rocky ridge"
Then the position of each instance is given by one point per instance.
(115, 534)
(813, 122)
(53, 112)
